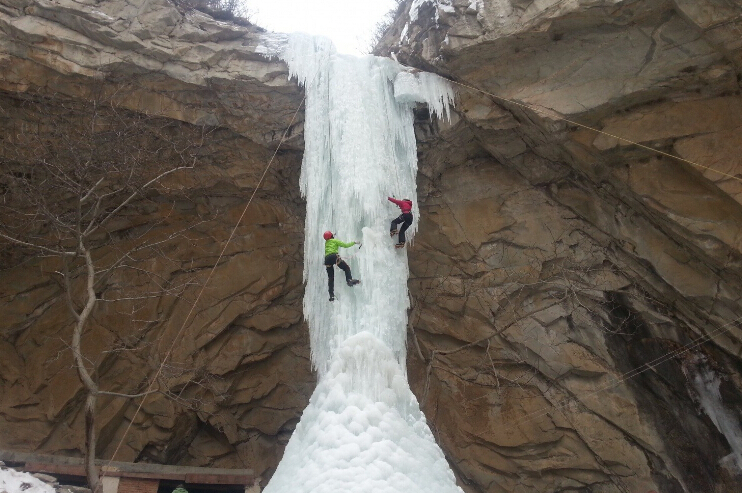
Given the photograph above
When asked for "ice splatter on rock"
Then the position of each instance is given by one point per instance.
(727, 420)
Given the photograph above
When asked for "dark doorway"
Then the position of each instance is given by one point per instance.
(169, 486)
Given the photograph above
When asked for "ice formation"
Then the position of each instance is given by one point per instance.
(363, 431)
(706, 384)
(442, 5)
(438, 6)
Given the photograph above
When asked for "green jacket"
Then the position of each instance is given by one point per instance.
(332, 245)
(180, 489)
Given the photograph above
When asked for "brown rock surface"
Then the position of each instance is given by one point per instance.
(237, 367)
(569, 289)
(565, 280)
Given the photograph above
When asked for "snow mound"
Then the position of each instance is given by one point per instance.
(363, 431)
(12, 481)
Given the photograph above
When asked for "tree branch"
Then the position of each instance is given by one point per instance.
(68, 289)
(128, 396)
(37, 247)
(81, 320)
(94, 227)
(90, 192)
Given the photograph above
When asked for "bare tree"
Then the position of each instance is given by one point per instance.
(235, 11)
(71, 171)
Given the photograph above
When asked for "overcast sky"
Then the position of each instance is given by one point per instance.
(349, 23)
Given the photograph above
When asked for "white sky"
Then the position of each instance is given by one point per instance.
(349, 23)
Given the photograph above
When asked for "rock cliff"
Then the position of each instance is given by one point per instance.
(239, 367)
(576, 306)
(572, 290)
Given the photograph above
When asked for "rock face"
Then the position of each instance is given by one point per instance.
(572, 290)
(576, 298)
(238, 369)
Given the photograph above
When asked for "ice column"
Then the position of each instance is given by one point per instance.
(363, 430)
(726, 420)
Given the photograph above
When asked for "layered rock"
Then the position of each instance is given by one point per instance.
(237, 370)
(572, 289)
(575, 321)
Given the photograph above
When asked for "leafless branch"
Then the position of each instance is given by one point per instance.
(69, 171)
(44, 249)
(129, 396)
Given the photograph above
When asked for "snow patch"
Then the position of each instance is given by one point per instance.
(363, 431)
(102, 16)
(440, 6)
(444, 6)
(475, 5)
(415, 7)
(12, 481)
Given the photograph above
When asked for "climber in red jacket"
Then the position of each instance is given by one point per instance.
(405, 219)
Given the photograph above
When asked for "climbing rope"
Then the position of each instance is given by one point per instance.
(544, 110)
(528, 417)
(353, 255)
(198, 297)
(657, 361)
(624, 377)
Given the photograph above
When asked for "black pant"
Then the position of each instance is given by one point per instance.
(406, 219)
(330, 262)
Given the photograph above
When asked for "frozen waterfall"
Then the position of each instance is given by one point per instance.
(363, 430)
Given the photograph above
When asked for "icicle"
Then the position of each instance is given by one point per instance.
(424, 87)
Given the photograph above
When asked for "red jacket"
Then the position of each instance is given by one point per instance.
(405, 205)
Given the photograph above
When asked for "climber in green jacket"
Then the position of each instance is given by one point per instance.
(332, 258)
(180, 489)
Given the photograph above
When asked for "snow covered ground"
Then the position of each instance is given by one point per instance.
(363, 431)
(12, 481)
